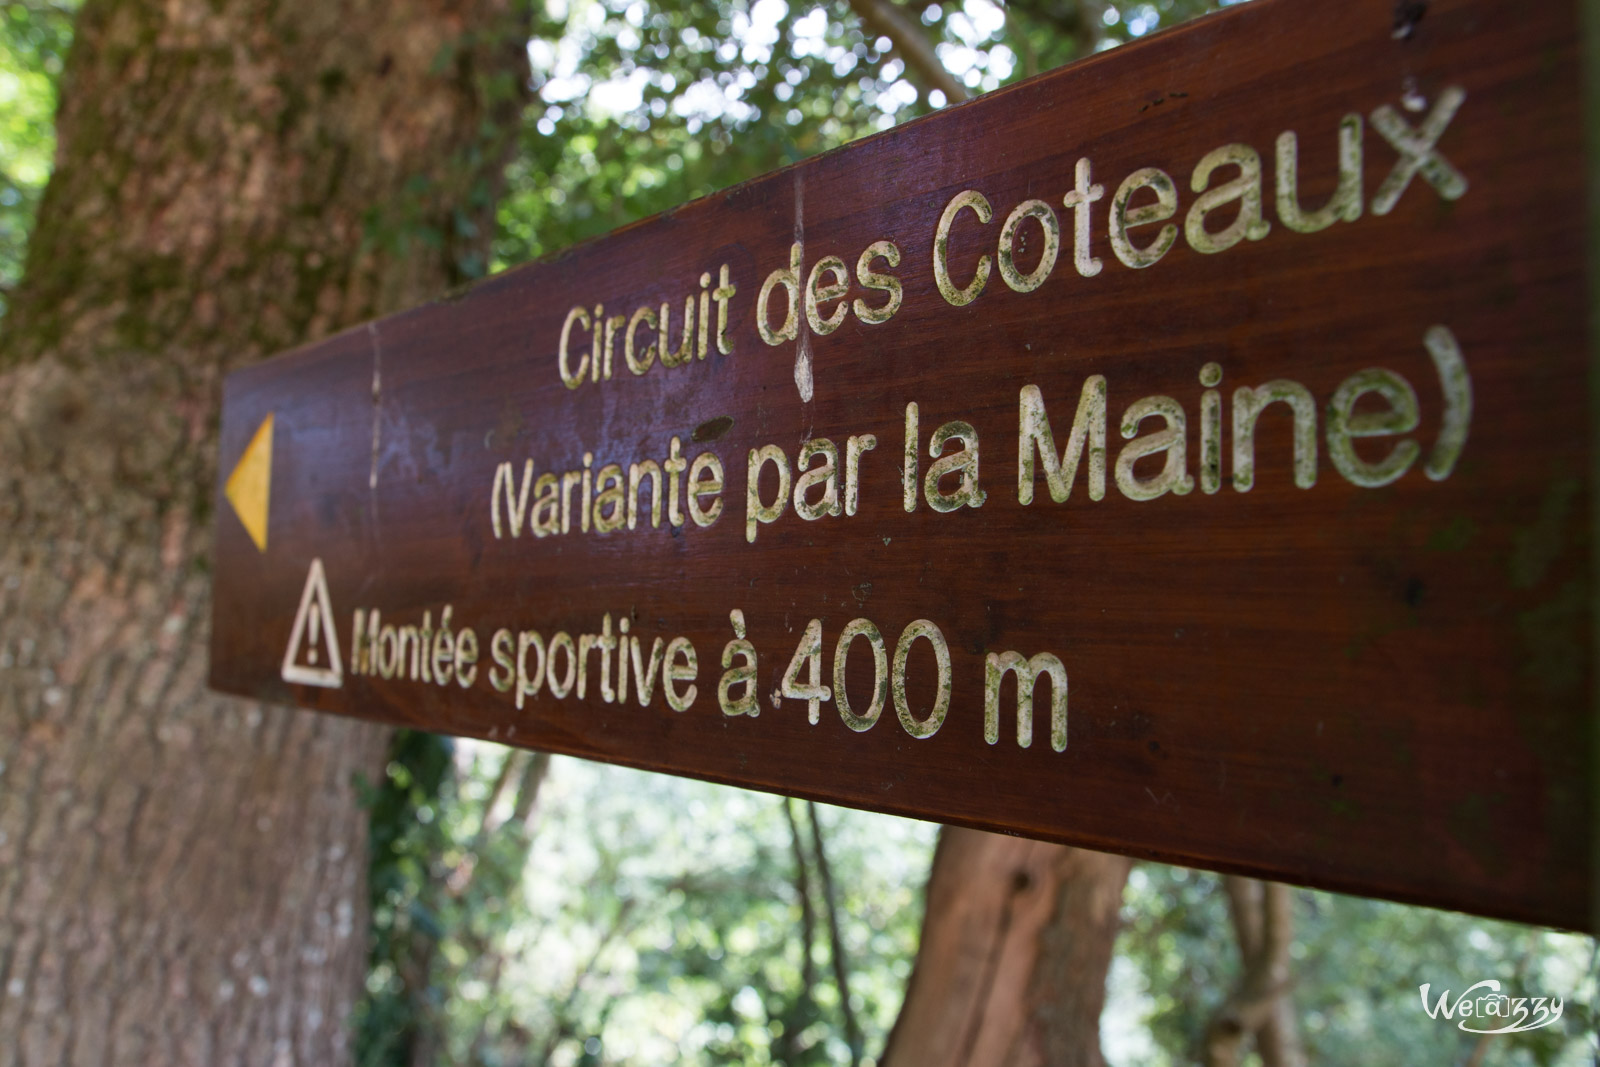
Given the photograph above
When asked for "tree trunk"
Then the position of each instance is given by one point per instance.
(1263, 923)
(181, 874)
(1015, 948)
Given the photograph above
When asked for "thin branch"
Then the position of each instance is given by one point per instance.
(1093, 15)
(533, 767)
(481, 1040)
(564, 1027)
(802, 888)
(1480, 1049)
(1085, 24)
(1017, 37)
(887, 19)
(502, 778)
(1278, 1038)
(841, 967)
(528, 788)
(1263, 921)
(1244, 908)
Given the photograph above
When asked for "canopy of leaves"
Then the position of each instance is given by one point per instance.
(1358, 968)
(602, 915)
(34, 35)
(643, 105)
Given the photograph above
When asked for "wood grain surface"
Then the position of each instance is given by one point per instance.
(1369, 671)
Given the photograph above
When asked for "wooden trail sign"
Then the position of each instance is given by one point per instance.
(1227, 394)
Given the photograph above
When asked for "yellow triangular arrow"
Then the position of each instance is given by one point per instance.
(250, 484)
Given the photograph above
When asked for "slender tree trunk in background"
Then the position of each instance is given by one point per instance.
(787, 1048)
(1263, 923)
(182, 875)
(841, 965)
(493, 1042)
(1018, 935)
(534, 770)
(1015, 948)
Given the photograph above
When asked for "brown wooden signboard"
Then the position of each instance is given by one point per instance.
(1228, 392)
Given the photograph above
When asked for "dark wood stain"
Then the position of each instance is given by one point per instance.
(1384, 691)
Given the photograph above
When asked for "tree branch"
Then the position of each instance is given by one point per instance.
(1263, 920)
(841, 968)
(502, 778)
(528, 788)
(564, 1023)
(1085, 24)
(1244, 908)
(911, 44)
(802, 889)
(1278, 1038)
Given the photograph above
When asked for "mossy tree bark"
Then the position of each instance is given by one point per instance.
(182, 875)
(1015, 948)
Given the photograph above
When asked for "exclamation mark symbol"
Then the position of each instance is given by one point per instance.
(311, 622)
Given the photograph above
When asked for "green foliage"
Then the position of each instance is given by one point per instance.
(643, 105)
(1358, 966)
(405, 837)
(34, 36)
(656, 921)
(642, 919)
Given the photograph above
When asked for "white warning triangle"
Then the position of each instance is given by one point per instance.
(313, 625)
